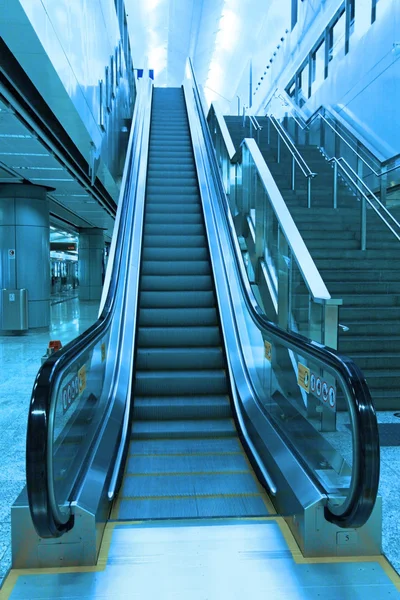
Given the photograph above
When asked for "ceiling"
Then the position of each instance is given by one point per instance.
(219, 35)
(24, 157)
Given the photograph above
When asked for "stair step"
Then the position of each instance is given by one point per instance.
(181, 358)
(354, 345)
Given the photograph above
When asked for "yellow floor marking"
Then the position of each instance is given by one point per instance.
(168, 474)
(300, 559)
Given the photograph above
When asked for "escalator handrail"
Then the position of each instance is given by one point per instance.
(360, 501)
(48, 520)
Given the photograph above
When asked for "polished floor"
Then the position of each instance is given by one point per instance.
(217, 559)
(20, 359)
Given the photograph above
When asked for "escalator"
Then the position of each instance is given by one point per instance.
(173, 414)
(185, 457)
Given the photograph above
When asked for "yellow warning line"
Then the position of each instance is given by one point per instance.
(186, 473)
(300, 559)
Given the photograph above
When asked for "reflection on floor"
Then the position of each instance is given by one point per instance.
(20, 359)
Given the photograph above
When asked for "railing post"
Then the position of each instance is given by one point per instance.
(335, 183)
(293, 173)
(283, 281)
(363, 223)
(269, 131)
(309, 192)
(279, 149)
(383, 185)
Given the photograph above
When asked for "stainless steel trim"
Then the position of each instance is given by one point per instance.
(224, 132)
(309, 271)
(141, 187)
(222, 286)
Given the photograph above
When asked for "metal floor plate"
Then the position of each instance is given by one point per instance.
(228, 560)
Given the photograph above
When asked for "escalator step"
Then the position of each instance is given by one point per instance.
(182, 407)
(180, 358)
(187, 464)
(167, 199)
(209, 484)
(178, 299)
(178, 229)
(177, 317)
(176, 337)
(181, 267)
(171, 447)
(191, 508)
(170, 208)
(173, 241)
(171, 283)
(204, 428)
(185, 382)
(176, 190)
(161, 254)
(190, 218)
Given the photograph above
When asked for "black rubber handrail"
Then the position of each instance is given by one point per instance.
(47, 518)
(360, 501)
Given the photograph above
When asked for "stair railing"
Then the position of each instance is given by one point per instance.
(365, 167)
(296, 157)
(253, 124)
(366, 196)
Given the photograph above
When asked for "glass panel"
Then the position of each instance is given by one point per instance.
(318, 67)
(337, 36)
(303, 85)
(79, 408)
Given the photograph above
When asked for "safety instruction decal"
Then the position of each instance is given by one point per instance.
(268, 350)
(69, 393)
(303, 377)
(82, 379)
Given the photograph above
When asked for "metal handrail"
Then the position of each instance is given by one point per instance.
(292, 148)
(308, 269)
(339, 162)
(306, 125)
(363, 490)
(376, 173)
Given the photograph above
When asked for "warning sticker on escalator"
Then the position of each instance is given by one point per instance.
(303, 377)
(268, 350)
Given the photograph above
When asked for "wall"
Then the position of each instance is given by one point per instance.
(364, 85)
(65, 47)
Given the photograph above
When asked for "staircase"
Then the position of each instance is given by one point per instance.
(185, 457)
(367, 281)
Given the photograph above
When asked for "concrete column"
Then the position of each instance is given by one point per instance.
(91, 247)
(25, 247)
